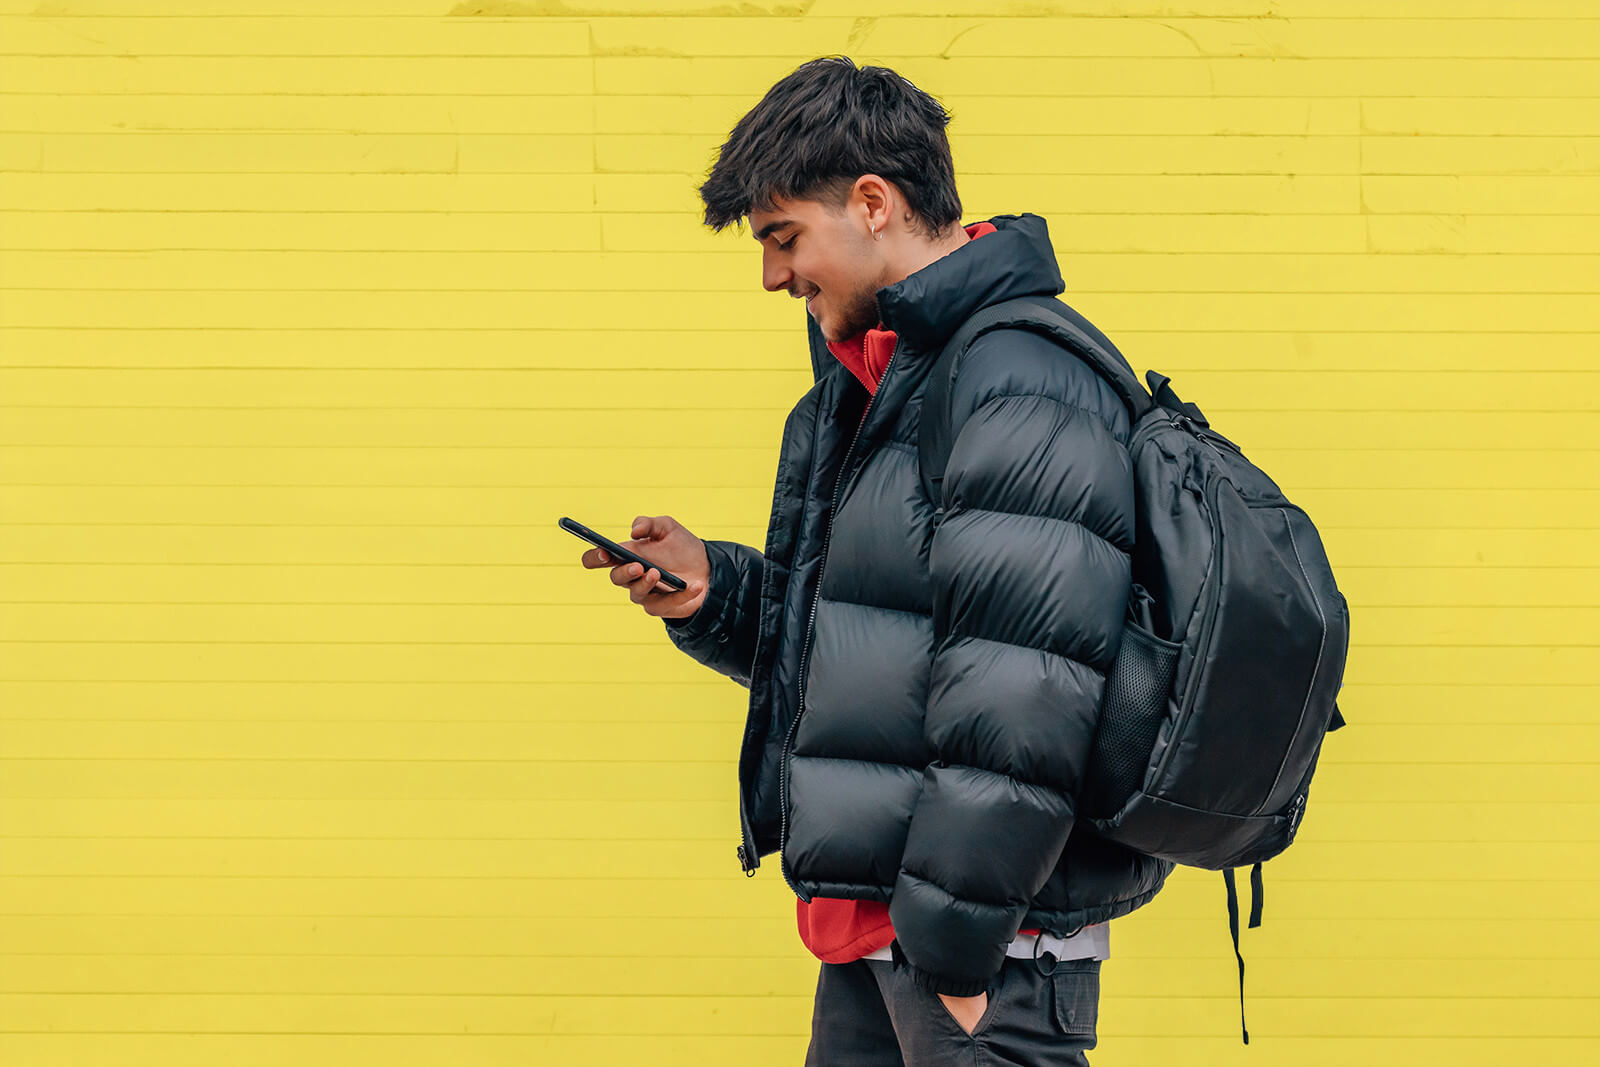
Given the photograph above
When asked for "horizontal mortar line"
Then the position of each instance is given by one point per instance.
(663, 762)
(474, 917)
(785, 330)
(190, 446)
(603, 55)
(524, 565)
(654, 486)
(1546, 606)
(1580, 133)
(712, 136)
(639, 644)
(456, 172)
(769, 958)
(270, 563)
(716, 407)
(781, 958)
(540, 525)
(543, 1037)
(455, 407)
(584, 681)
(678, 721)
(675, 720)
(576, 58)
(392, 720)
(614, 95)
(750, 291)
(659, 486)
(718, 683)
(595, 95)
(789, 367)
(1339, 449)
(1277, 880)
(749, 254)
(743, 292)
(579, 19)
(364, 759)
(609, 994)
(429, 837)
(633, 995)
(716, 836)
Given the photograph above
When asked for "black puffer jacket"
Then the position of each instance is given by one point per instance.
(950, 675)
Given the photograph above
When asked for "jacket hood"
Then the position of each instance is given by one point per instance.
(925, 308)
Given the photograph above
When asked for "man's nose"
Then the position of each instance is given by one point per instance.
(774, 274)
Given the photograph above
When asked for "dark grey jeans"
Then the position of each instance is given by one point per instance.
(868, 1014)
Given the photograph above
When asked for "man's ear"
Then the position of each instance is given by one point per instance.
(876, 198)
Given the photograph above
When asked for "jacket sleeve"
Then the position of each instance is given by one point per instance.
(722, 633)
(1030, 574)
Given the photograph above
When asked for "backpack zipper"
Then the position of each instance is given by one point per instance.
(805, 648)
(1183, 422)
(1296, 810)
(1202, 645)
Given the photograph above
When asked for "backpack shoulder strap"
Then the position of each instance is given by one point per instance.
(1040, 314)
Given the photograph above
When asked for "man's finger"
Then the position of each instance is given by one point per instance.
(640, 589)
(660, 605)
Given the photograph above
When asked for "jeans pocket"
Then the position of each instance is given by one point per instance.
(994, 992)
(1075, 988)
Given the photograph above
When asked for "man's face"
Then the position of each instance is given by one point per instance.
(827, 255)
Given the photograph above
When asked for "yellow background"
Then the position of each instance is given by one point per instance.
(317, 746)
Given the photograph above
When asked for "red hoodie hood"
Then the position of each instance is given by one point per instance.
(867, 353)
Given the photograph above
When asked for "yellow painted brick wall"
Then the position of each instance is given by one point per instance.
(318, 747)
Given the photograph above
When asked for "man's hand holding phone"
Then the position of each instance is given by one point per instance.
(665, 542)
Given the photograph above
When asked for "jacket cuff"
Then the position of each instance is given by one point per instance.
(711, 609)
(929, 982)
(697, 625)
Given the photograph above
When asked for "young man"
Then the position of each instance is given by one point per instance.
(923, 694)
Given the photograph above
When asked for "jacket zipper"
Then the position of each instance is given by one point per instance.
(805, 648)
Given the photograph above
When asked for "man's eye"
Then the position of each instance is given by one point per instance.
(789, 243)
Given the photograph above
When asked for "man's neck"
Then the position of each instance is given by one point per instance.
(921, 253)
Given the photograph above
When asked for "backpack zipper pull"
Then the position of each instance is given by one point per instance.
(1183, 422)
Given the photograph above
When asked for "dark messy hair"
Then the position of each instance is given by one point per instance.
(822, 127)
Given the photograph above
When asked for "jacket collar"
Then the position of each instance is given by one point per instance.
(925, 308)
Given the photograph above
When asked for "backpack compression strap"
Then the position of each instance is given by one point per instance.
(1039, 314)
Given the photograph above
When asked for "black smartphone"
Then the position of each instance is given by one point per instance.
(617, 552)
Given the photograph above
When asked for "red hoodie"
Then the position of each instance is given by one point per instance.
(841, 931)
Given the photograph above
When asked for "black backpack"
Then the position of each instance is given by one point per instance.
(1233, 651)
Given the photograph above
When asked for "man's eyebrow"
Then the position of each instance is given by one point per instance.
(761, 234)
